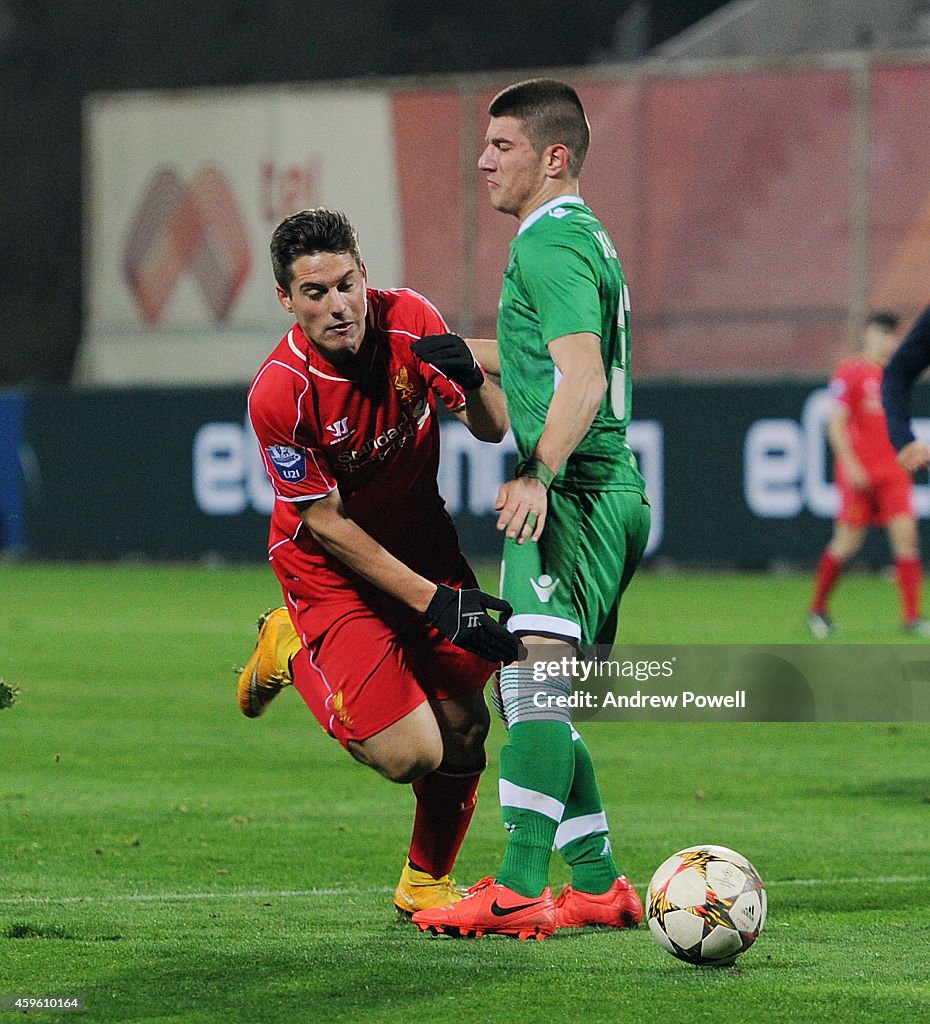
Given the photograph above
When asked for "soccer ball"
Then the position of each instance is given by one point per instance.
(706, 905)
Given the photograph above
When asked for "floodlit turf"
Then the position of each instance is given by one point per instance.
(169, 860)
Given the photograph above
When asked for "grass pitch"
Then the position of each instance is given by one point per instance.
(168, 860)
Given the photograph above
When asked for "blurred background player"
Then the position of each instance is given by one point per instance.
(873, 487)
(575, 517)
(395, 642)
(909, 361)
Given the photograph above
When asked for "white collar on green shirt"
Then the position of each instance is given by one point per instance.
(541, 211)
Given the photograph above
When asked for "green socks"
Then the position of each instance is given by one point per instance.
(536, 768)
(582, 837)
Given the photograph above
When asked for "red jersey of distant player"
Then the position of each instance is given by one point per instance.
(369, 430)
(857, 384)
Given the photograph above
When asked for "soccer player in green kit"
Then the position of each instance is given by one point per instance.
(575, 518)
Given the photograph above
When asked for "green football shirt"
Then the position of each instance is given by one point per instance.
(564, 277)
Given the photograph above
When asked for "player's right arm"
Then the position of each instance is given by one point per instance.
(914, 456)
(909, 361)
(523, 502)
(344, 539)
(838, 436)
(460, 615)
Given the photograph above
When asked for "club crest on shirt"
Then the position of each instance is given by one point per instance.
(337, 703)
(290, 463)
(404, 386)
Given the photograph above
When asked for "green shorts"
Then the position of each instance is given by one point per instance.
(570, 583)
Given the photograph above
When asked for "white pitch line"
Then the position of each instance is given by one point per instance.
(880, 880)
(285, 894)
(183, 897)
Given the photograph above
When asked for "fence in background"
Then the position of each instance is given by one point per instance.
(758, 209)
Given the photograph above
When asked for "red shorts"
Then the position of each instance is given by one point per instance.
(361, 675)
(888, 498)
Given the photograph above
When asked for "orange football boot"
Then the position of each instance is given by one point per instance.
(492, 909)
(619, 907)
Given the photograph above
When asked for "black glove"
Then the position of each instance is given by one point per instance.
(451, 356)
(461, 617)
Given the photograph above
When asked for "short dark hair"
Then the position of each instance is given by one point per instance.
(551, 113)
(886, 319)
(306, 233)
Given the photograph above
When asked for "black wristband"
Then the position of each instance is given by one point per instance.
(537, 470)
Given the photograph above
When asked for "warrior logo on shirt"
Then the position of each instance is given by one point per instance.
(290, 463)
(340, 430)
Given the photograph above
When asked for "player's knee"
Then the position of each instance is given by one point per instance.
(409, 770)
(463, 737)
(472, 733)
(406, 768)
(400, 763)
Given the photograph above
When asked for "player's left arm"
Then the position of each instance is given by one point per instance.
(523, 502)
(485, 350)
(837, 430)
(485, 412)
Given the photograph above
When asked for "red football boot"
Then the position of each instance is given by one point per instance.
(619, 907)
(492, 909)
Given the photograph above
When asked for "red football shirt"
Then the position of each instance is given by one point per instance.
(857, 384)
(370, 430)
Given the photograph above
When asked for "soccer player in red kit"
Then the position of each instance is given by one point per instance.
(873, 487)
(384, 634)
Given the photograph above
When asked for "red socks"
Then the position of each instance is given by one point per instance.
(445, 805)
(909, 574)
(829, 569)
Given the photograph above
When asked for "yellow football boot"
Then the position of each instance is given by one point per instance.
(417, 890)
(268, 671)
